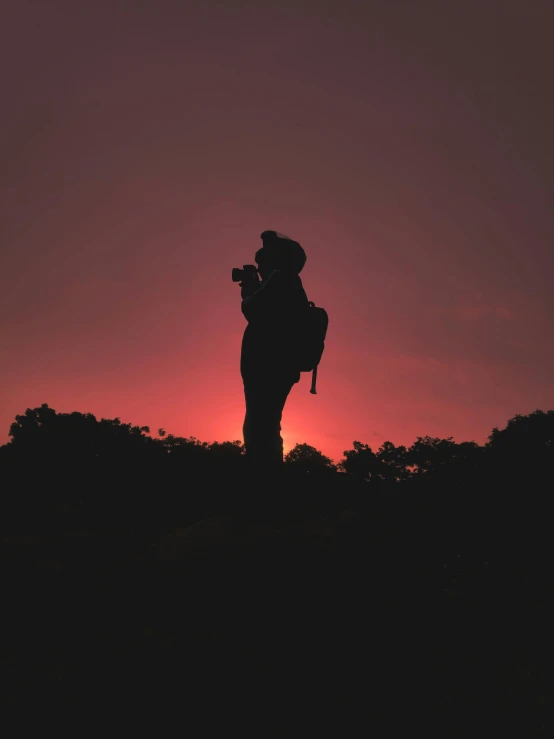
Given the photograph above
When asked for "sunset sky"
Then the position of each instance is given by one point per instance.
(408, 146)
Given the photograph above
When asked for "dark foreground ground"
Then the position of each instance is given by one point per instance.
(334, 623)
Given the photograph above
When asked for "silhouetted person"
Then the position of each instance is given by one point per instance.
(274, 309)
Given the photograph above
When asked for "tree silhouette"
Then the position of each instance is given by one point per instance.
(446, 547)
(526, 444)
(73, 459)
(428, 453)
(74, 436)
(392, 462)
(309, 460)
(360, 462)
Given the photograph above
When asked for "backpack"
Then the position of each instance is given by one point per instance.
(314, 331)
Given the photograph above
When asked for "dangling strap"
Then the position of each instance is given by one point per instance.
(314, 378)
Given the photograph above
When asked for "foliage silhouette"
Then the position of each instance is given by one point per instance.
(308, 460)
(429, 564)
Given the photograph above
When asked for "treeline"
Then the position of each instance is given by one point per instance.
(397, 580)
(43, 434)
(71, 464)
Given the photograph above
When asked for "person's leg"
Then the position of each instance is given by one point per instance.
(262, 424)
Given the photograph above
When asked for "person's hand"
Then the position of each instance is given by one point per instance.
(250, 284)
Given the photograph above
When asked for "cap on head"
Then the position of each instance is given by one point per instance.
(283, 251)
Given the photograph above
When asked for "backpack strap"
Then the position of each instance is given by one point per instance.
(314, 379)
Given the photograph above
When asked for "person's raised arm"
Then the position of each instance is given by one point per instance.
(257, 303)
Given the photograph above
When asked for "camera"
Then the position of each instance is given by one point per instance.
(248, 272)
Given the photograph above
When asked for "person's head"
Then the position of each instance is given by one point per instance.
(279, 252)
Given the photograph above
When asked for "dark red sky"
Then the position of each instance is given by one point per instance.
(406, 145)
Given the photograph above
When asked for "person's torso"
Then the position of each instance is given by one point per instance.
(270, 342)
